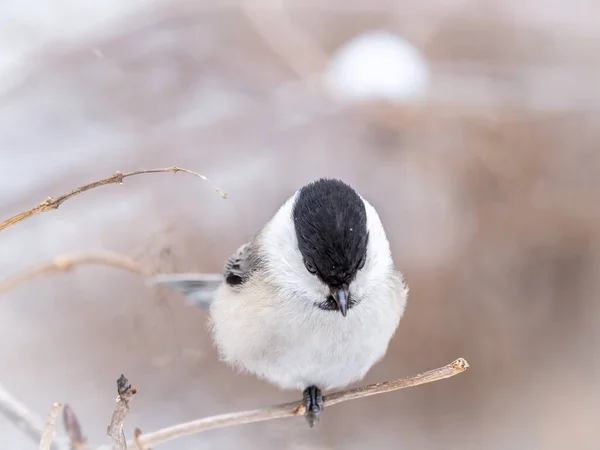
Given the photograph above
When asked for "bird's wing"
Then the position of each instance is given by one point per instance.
(240, 265)
(199, 289)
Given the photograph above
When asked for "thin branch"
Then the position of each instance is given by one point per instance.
(115, 429)
(53, 203)
(136, 436)
(294, 408)
(77, 440)
(31, 424)
(20, 415)
(65, 263)
(292, 44)
(48, 433)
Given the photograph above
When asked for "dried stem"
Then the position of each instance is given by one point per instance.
(297, 48)
(115, 430)
(77, 440)
(31, 424)
(66, 263)
(137, 433)
(293, 409)
(53, 203)
(20, 415)
(48, 433)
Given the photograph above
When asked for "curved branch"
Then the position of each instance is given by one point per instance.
(150, 440)
(53, 203)
(66, 263)
(31, 424)
(17, 412)
(293, 45)
(21, 416)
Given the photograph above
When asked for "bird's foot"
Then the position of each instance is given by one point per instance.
(313, 401)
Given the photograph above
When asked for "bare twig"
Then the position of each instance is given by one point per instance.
(294, 408)
(22, 417)
(48, 433)
(66, 263)
(77, 440)
(137, 433)
(53, 203)
(115, 430)
(292, 44)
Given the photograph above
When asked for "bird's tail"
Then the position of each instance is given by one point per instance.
(198, 289)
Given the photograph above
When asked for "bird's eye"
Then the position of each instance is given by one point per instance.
(310, 267)
(362, 262)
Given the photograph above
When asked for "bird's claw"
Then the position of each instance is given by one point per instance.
(313, 402)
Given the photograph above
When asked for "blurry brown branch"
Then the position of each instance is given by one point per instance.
(294, 408)
(21, 416)
(115, 430)
(65, 263)
(77, 440)
(292, 44)
(52, 203)
(48, 433)
(137, 433)
(30, 423)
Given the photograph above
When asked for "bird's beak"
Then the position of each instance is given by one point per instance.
(341, 299)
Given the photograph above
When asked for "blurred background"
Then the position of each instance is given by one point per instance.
(472, 126)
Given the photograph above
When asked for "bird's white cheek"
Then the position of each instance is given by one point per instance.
(364, 282)
(315, 289)
(299, 284)
(356, 287)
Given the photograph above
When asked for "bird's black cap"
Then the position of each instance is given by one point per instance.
(331, 225)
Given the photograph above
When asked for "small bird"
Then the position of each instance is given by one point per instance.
(311, 302)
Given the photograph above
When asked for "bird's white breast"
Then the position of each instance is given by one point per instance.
(294, 344)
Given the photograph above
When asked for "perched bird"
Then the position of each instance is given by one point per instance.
(312, 300)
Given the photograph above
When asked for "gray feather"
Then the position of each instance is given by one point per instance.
(198, 289)
(239, 266)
